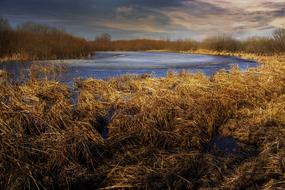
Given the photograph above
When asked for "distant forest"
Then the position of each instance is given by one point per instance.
(31, 41)
(37, 41)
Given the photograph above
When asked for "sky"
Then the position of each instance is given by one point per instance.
(154, 19)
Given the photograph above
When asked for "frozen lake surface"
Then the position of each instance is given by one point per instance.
(105, 65)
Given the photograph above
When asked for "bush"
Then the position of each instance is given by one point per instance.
(279, 39)
(221, 43)
(261, 46)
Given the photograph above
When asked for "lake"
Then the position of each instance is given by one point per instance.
(105, 65)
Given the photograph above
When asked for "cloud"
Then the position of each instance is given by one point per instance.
(124, 10)
(151, 18)
(248, 5)
(278, 22)
(146, 24)
(210, 17)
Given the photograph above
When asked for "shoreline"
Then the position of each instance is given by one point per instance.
(259, 59)
(21, 58)
(242, 55)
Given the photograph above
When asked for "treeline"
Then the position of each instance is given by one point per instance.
(104, 43)
(37, 41)
(258, 45)
(144, 44)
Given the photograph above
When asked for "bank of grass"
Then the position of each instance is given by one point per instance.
(243, 55)
(161, 132)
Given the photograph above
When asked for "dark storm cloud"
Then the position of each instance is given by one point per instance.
(71, 7)
(150, 18)
(91, 14)
(43, 8)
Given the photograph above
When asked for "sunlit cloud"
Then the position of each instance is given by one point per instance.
(147, 24)
(224, 16)
(248, 5)
(279, 22)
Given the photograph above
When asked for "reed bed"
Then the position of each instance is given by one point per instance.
(45, 70)
(140, 132)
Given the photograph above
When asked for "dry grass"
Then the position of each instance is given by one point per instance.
(161, 132)
(4, 76)
(43, 70)
(14, 57)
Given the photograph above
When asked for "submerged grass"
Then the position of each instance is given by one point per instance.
(43, 70)
(158, 133)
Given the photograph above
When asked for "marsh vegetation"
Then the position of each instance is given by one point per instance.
(147, 133)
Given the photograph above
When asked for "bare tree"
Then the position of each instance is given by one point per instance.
(4, 24)
(279, 34)
(103, 38)
(279, 37)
